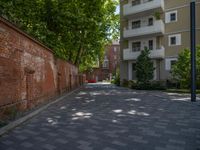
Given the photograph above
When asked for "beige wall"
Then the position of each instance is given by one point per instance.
(176, 3)
(185, 43)
(181, 26)
(123, 43)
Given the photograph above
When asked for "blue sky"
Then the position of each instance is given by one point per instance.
(117, 10)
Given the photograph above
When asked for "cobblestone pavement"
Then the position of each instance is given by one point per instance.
(105, 117)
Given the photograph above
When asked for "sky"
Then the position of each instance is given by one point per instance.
(117, 10)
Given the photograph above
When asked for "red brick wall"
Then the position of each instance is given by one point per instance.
(29, 72)
(112, 52)
(98, 73)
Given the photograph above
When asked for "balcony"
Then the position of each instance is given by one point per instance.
(157, 28)
(128, 54)
(128, 9)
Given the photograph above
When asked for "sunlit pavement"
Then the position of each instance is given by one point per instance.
(105, 117)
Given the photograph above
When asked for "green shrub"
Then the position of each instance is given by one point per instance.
(125, 83)
(132, 84)
(158, 85)
(153, 85)
(172, 84)
(116, 79)
(182, 68)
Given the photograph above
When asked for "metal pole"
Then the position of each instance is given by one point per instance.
(193, 50)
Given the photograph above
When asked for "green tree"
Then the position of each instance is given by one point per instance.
(76, 30)
(144, 68)
(181, 69)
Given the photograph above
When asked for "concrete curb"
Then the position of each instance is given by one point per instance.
(16, 123)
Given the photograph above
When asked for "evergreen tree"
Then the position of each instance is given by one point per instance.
(144, 68)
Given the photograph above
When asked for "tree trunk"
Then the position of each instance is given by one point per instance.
(78, 55)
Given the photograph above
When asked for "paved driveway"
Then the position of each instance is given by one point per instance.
(105, 117)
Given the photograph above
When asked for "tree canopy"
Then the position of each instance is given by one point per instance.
(181, 69)
(76, 30)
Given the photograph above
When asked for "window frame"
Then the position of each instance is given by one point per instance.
(168, 16)
(136, 25)
(152, 46)
(135, 2)
(178, 40)
(150, 24)
(138, 48)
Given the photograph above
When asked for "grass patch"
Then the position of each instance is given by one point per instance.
(181, 91)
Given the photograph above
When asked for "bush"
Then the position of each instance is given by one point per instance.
(125, 83)
(132, 84)
(153, 85)
(116, 79)
(171, 84)
(158, 85)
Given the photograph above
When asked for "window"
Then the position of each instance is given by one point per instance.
(171, 16)
(150, 22)
(135, 2)
(136, 24)
(150, 44)
(169, 62)
(136, 46)
(174, 40)
(105, 64)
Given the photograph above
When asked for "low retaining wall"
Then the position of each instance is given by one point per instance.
(29, 72)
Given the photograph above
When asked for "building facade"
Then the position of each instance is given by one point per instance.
(109, 65)
(163, 26)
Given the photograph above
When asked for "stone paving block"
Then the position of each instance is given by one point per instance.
(85, 143)
(27, 144)
(172, 147)
(85, 147)
(49, 147)
(119, 143)
(170, 125)
(62, 141)
(90, 130)
(21, 137)
(161, 148)
(108, 148)
(92, 137)
(175, 141)
(10, 148)
(52, 134)
(7, 142)
(171, 132)
(41, 139)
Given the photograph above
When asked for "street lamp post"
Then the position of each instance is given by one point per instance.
(193, 49)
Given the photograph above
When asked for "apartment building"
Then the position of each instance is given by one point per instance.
(163, 26)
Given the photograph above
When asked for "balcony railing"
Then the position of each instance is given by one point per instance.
(158, 27)
(129, 9)
(128, 54)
